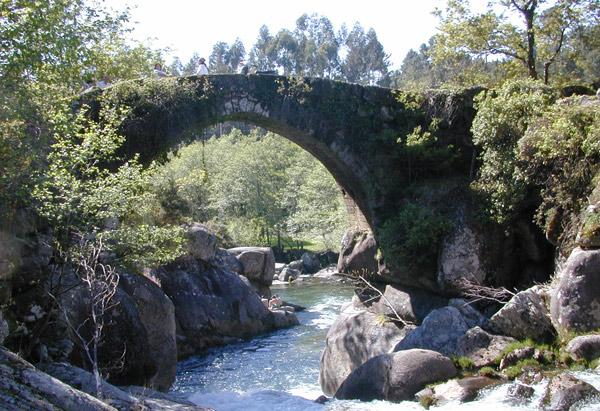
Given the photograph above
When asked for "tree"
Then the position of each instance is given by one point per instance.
(530, 32)
(366, 62)
(226, 58)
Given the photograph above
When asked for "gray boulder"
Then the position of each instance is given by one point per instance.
(575, 302)
(212, 306)
(461, 258)
(439, 332)
(24, 387)
(411, 304)
(288, 273)
(258, 263)
(124, 335)
(396, 377)
(353, 338)
(202, 242)
(525, 316)
(311, 262)
(225, 260)
(565, 391)
(297, 265)
(284, 317)
(584, 347)
(357, 254)
(130, 398)
(454, 391)
(157, 314)
(481, 347)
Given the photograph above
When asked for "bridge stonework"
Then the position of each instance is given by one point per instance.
(352, 130)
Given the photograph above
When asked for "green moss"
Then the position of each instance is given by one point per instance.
(464, 363)
(487, 372)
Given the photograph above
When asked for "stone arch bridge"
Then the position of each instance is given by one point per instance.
(351, 129)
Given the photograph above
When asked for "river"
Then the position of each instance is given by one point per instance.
(280, 371)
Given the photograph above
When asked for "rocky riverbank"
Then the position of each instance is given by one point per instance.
(204, 299)
(382, 341)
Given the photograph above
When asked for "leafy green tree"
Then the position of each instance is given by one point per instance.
(86, 203)
(534, 43)
(225, 58)
(366, 61)
(263, 53)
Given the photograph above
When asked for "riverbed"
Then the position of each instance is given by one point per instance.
(280, 371)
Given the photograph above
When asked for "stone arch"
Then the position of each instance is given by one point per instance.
(328, 119)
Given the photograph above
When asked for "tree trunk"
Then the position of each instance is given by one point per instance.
(529, 15)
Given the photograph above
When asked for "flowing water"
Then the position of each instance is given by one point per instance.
(280, 371)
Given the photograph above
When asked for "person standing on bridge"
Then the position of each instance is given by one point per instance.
(202, 69)
(158, 71)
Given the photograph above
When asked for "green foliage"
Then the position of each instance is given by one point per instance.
(487, 372)
(412, 237)
(464, 363)
(529, 33)
(82, 201)
(261, 187)
(502, 119)
(561, 150)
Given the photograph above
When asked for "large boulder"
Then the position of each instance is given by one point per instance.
(575, 302)
(357, 254)
(202, 242)
(311, 262)
(481, 347)
(396, 377)
(584, 347)
(474, 254)
(225, 260)
(439, 331)
(352, 339)
(157, 314)
(126, 398)
(124, 351)
(258, 263)
(454, 391)
(525, 316)
(212, 306)
(411, 304)
(23, 387)
(565, 392)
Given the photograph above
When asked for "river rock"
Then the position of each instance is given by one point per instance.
(525, 316)
(454, 391)
(289, 273)
(575, 302)
(258, 263)
(225, 260)
(212, 306)
(202, 242)
(284, 317)
(24, 387)
(439, 332)
(565, 391)
(129, 398)
(584, 347)
(297, 265)
(357, 254)
(352, 339)
(481, 347)
(411, 304)
(125, 350)
(311, 262)
(157, 314)
(396, 377)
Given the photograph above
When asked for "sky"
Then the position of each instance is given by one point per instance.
(196, 26)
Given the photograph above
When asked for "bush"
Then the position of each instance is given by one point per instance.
(413, 237)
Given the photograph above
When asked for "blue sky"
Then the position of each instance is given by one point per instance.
(187, 27)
